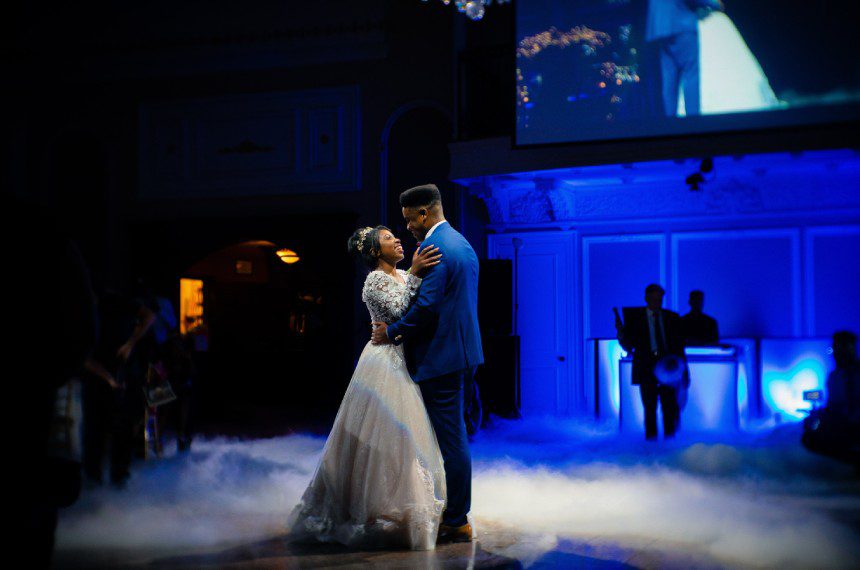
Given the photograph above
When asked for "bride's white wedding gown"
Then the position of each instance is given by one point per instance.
(731, 78)
(381, 480)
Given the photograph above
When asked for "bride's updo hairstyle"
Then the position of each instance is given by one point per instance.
(364, 243)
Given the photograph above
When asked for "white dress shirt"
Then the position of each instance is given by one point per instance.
(654, 328)
(436, 225)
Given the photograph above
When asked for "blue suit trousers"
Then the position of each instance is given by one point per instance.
(443, 397)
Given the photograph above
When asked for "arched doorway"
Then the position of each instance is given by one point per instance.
(279, 347)
(263, 330)
(416, 151)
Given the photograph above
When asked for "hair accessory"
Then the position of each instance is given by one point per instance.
(362, 235)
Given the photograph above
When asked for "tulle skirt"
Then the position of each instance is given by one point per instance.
(731, 78)
(381, 480)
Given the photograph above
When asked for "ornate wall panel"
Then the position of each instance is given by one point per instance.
(251, 145)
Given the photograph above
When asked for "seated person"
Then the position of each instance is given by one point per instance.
(835, 429)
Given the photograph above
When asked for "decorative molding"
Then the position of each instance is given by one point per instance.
(244, 147)
(251, 145)
(757, 185)
(497, 203)
(735, 196)
(562, 204)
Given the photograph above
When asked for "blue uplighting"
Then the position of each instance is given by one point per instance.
(789, 368)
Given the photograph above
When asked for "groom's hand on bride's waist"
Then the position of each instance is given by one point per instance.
(379, 334)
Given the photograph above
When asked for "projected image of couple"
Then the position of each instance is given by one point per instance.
(706, 66)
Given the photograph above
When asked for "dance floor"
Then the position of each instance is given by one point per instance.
(546, 493)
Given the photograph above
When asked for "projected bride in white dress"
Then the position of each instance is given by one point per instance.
(731, 78)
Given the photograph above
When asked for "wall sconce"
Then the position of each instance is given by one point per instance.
(288, 256)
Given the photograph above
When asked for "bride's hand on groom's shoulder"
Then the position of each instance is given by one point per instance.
(424, 259)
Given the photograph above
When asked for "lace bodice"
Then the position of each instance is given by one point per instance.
(387, 299)
(381, 480)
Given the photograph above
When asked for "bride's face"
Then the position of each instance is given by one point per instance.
(389, 247)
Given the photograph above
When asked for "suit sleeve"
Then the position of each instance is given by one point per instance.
(425, 310)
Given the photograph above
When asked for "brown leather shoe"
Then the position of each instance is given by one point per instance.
(454, 533)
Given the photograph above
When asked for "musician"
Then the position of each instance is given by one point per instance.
(699, 328)
(656, 339)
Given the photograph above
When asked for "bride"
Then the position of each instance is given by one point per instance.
(731, 78)
(380, 481)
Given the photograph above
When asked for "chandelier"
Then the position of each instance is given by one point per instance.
(474, 9)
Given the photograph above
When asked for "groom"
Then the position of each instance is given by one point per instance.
(673, 26)
(443, 345)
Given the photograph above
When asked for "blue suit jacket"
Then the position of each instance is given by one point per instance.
(440, 330)
(668, 18)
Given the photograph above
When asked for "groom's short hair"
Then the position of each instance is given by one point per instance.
(420, 196)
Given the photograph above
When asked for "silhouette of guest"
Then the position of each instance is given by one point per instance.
(113, 395)
(698, 328)
(51, 328)
(843, 384)
(178, 360)
(835, 429)
(653, 334)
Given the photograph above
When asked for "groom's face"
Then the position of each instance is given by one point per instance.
(416, 219)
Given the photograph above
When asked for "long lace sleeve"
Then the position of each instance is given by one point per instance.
(386, 299)
(413, 283)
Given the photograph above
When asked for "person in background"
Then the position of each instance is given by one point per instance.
(165, 323)
(835, 429)
(698, 328)
(174, 353)
(113, 394)
(51, 320)
(653, 334)
(177, 357)
(843, 384)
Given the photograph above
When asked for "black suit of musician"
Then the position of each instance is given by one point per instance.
(652, 332)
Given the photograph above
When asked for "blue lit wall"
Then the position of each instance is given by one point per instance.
(751, 278)
(833, 301)
(790, 367)
(773, 241)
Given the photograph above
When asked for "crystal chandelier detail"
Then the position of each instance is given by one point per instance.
(474, 9)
